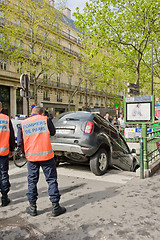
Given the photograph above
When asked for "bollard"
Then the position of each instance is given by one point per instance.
(141, 160)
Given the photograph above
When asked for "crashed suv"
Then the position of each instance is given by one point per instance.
(87, 138)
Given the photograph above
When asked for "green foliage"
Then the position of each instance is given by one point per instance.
(123, 30)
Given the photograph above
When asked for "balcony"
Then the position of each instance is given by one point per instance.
(46, 98)
(68, 50)
(80, 102)
(59, 100)
(68, 36)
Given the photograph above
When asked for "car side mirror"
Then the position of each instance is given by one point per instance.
(133, 150)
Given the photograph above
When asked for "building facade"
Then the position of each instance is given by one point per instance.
(63, 91)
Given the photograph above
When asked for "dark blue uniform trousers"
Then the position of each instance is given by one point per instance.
(49, 170)
(4, 177)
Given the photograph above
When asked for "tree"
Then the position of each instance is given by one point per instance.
(123, 26)
(30, 34)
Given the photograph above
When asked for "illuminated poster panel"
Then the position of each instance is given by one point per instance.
(138, 112)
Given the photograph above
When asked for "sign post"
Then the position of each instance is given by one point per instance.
(24, 81)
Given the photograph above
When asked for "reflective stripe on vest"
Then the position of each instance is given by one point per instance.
(35, 130)
(4, 149)
(4, 135)
(39, 154)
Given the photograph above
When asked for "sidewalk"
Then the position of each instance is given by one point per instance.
(96, 209)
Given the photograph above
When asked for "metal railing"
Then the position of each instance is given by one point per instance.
(148, 147)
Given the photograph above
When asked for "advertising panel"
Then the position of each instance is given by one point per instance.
(138, 112)
(139, 109)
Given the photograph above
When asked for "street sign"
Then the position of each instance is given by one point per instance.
(132, 85)
(32, 106)
(133, 91)
(22, 93)
(133, 88)
(24, 81)
(116, 105)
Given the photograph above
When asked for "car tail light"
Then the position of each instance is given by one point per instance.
(89, 127)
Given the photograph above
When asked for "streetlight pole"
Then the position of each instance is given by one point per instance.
(152, 72)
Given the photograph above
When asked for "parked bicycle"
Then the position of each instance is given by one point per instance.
(19, 158)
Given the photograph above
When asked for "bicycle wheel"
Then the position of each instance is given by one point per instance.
(19, 158)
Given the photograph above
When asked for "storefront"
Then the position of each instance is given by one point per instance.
(5, 99)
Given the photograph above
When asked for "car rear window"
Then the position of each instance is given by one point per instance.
(73, 116)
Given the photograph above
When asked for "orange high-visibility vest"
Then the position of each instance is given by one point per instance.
(36, 137)
(4, 135)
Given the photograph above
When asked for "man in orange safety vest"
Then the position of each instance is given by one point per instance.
(7, 145)
(34, 140)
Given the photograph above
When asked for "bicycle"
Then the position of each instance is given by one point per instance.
(19, 158)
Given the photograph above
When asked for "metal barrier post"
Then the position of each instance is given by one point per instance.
(141, 160)
(144, 136)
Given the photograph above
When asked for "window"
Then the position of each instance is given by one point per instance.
(90, 100)
(78, 40)
(45, 54)
(45, 77)
(70, 81)
(59, 41)
(57, 27)
(69, 32)
(80, 67)
(3, 65)
(19, 69)
(58, 79)
(32, 92)
(70, 47)
(59, 99)
(58, 59)
(46, 95)
(70, 63)
(80, 98)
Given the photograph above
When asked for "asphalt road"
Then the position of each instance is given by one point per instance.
(117, 205)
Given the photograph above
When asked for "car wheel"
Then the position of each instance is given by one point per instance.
(99, 162)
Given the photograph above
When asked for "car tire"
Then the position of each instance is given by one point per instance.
(99, 162)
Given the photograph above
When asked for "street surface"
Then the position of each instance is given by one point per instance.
(117, 205)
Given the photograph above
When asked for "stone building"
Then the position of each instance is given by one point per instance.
(65, 91)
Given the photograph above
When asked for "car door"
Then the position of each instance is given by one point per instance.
(124, 159)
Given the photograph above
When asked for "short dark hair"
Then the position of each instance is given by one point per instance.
(37, 109)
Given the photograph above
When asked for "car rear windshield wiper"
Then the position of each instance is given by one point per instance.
(72, 119)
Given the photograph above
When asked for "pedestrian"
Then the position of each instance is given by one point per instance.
(115, 121)
(34, 140)
(121, 123)
(51, 116)
(7, 145)
(107, 117)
